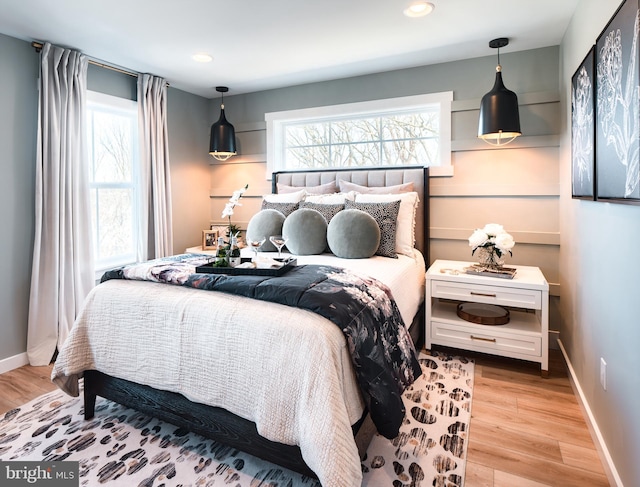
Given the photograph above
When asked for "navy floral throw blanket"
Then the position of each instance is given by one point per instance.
(381, 349)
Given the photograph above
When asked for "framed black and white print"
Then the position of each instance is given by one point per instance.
(617, 109)
(583, 129)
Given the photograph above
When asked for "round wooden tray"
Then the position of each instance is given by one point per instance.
(483, 314)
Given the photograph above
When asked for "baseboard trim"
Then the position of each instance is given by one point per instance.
(601, 447)
(14, 362)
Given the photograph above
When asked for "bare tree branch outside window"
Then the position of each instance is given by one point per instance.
(388, 140)
(112, 155)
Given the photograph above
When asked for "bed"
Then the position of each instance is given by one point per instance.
(227, 400)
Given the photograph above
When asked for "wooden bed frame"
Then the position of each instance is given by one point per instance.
(221, 425)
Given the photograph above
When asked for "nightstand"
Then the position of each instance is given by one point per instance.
(198, 250)
(526, 296)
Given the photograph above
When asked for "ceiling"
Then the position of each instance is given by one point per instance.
(264, 44)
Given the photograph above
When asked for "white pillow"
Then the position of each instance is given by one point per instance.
(330, 199)
(325, 188)
(398, 188)
(294, 197)
(405, 229)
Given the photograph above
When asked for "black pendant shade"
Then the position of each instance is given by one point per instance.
(499, 121)
(222, 143)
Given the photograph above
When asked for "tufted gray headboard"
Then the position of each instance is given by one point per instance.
(371, 177)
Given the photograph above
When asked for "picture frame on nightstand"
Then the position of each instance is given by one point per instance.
(209, 239)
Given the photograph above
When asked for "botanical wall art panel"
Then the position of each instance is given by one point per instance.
(583, 129)
(617, 110)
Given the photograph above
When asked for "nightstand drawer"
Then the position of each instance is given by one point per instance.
(480, 338)
(478, 293)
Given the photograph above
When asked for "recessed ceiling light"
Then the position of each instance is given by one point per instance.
(202, 57)
(419, 9)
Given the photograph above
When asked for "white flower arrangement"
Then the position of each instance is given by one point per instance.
(492, 238)
(228, 209)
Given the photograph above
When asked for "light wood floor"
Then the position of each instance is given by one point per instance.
(525, 431)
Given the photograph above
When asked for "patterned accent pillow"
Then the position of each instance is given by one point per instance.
(385, 215)
(327, 211)
(405, 230)
(285, 208)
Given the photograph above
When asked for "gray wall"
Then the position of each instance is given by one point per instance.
(531, 71)
(18, 119)
(188, 141)
(189, 151)
(516, 186)
(600, 265)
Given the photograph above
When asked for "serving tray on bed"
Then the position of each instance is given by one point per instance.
(209, 268)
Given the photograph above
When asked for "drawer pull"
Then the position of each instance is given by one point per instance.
(492, 340)
(473, 293)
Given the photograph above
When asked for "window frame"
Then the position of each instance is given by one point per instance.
(129, 108)
(276, 122)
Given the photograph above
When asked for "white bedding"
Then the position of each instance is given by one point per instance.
(238, 364)
(404, 276)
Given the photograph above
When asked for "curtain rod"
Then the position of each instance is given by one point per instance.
(39, 45)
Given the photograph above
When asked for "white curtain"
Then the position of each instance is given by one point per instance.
(62, 273)
(156, 225)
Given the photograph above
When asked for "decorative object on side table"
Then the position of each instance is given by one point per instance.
(209, 238)
(492, 242)
(233, 230)
(483, 314)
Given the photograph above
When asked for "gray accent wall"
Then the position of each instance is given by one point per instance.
(516, 186)
(188, 146)
(600, 279)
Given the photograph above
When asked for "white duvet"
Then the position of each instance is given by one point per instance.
(287, 370)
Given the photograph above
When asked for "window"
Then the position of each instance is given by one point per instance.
(413, 130)
(112, 130)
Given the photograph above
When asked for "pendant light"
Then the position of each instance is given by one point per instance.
(222, 143)
(499, 117)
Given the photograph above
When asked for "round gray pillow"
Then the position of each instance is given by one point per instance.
(264, 224)
(306, 231)
(353, 234)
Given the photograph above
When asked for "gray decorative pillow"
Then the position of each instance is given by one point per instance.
(306, 231)
(326, 210)
(264, 224)
(353, 234)
(386, 215)
(285, 208)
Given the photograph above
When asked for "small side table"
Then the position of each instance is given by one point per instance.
(198, 250)
(525, 337)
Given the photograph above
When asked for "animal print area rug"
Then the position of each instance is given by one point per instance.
(121, 447)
